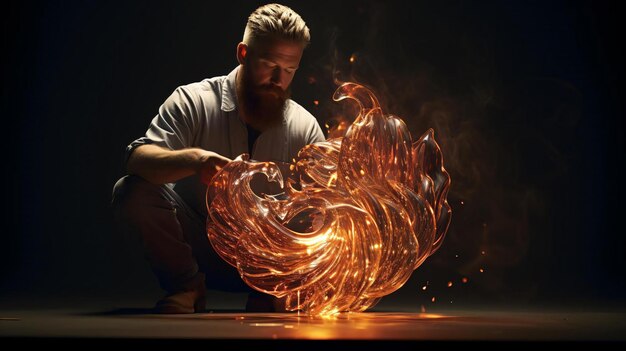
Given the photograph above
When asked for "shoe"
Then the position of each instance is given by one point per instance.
(260, 302)
(189, 300)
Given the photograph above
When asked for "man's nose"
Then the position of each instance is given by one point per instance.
(277, 77)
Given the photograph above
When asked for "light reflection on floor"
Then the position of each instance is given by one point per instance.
(473, 325)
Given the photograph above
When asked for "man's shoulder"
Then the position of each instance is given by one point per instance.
(206, 92)
(207, 84)
(302, 122)
(303, 126)
(297, 111)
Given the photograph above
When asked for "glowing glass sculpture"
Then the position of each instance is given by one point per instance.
(352, 219)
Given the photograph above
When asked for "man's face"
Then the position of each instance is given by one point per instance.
(268, 71)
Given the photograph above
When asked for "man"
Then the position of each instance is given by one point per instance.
(197, 130)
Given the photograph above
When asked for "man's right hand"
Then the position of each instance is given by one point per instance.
(210, 163)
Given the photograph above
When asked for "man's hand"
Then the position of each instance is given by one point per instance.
(210, 164)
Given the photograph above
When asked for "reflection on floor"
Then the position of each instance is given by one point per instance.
(298, 330)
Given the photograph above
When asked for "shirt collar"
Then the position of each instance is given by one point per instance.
(229, 91)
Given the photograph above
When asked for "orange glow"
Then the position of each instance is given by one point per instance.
(267, 324)
(449, 284)
(337, 127)
(348, 226)
(316, 102)
(481, 270)
(464, 280)
(352, 58)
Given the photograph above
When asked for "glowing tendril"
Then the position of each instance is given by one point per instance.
(353, 218)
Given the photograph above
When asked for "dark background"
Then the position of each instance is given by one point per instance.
(525, 97)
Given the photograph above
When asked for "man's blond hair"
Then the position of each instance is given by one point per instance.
(275, 21)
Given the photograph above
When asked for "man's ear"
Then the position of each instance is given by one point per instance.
(242, 53)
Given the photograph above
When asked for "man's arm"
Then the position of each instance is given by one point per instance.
(160, 165)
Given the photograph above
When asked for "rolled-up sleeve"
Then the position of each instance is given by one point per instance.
(172, 127)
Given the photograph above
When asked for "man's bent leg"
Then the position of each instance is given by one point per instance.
(150, 212)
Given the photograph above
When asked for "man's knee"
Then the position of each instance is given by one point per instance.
(131, 193)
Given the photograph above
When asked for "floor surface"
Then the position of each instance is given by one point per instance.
(397, 327)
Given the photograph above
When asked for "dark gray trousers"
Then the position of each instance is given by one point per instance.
(172, 235)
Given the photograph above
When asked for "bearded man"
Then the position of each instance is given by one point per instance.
(197, 130)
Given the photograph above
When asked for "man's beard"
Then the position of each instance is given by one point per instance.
(263, 106)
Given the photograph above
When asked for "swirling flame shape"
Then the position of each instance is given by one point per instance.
(356, 218)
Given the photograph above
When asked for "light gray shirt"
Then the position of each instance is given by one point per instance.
(205, 115)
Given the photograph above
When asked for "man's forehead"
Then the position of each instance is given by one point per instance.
(279, 48)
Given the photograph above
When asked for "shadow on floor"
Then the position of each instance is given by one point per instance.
(129, 311)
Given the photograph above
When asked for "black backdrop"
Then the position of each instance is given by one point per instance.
(526, 99)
